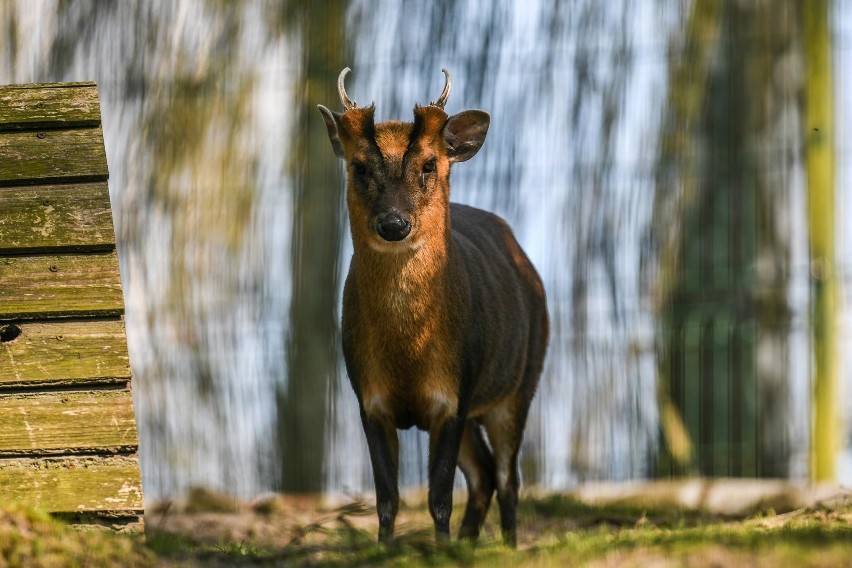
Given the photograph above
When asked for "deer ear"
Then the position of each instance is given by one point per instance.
(332, 119)
(464, 134)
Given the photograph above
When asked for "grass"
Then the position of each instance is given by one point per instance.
(555, 530)
(31, 538)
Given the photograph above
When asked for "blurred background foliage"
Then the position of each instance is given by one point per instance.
(654, 158)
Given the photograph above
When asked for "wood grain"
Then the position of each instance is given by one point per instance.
(62, 448)
(68, 217)
(47, 286)
(49, 105)
(62, 354)
(71, 422)
(52, 156)
(73, 484)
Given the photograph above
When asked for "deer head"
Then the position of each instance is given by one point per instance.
(398, 172)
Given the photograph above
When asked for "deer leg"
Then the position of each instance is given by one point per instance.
(383, 443)
(444, 442)
(477, 465)
(504, 426)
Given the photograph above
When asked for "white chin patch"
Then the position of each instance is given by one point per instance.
(405, 245)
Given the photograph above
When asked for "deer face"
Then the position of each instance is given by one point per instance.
(398, 172)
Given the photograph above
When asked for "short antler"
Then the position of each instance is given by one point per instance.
(348, 104)
(442, 100)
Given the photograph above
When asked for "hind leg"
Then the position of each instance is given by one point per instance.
(505, 427)
(477, 465)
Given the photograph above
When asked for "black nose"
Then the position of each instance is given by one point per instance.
(393, 227)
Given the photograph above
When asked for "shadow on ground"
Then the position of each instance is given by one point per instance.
(690, 523)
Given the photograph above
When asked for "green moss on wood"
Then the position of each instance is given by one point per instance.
(50, 138)
(47, 218)
(72, 353)
(68, 285)
(52, 156)
(49, 106)
(58, 423)
(73, 484)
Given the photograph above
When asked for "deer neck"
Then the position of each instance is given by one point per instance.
(409, 285)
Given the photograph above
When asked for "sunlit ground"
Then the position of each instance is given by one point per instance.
(625, 527)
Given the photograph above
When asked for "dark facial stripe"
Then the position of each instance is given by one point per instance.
(416, 132)
(426, 120)
(368, 130)
(368, 125)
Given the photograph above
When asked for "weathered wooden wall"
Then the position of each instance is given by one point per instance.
(68, 441)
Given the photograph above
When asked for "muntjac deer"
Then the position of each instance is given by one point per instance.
(444, 318)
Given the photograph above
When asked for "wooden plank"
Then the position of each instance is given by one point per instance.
(52, 105)
(46, 286)
(66, 217)
(52, 156)
(73, 484)
(71, 353)
(54, 85)
(70, 422)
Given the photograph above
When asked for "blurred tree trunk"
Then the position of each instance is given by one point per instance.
(677, 180)
(723, 198)
(819, 162)
(312, 350)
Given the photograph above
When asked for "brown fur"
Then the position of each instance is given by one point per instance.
(445, 329)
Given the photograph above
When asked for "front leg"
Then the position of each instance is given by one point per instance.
(444, 443)
(383, 442)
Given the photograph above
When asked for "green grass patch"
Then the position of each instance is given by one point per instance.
(32, 538)
(555, 531)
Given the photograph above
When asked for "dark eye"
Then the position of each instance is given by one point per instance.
(359, 169)
(429, 166)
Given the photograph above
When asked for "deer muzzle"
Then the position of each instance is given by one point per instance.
(392, 226)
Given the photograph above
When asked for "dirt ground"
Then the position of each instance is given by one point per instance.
(693, 522)
(661, 524)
